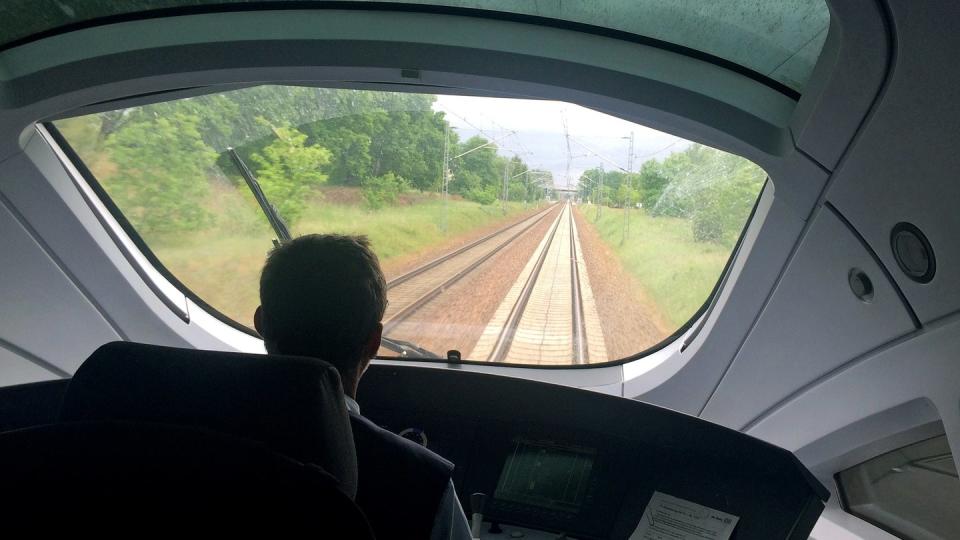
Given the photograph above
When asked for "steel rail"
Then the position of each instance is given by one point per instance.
(440, 260)
(505, 339)
(580, 352)
(411, 308)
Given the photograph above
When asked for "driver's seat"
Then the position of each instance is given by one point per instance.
(293, 405)
(124, 479)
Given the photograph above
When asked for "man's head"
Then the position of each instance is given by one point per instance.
(323, 295)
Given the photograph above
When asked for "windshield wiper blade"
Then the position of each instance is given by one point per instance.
(407, 349)
(276, 222)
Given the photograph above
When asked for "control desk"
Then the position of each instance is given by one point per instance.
(559, 462)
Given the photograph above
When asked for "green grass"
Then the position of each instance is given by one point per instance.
(222, 263)
(401, 230)
(676, 272)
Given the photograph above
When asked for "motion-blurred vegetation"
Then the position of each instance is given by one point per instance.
(376, 163)
(675, 272)
(158, 161)
(713, 190)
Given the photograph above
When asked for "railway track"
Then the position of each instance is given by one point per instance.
(548, 317)
(409, 292)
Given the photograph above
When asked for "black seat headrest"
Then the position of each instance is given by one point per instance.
(294, 405)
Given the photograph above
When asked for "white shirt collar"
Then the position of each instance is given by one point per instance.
(352, 405)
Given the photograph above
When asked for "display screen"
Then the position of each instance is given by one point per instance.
(546, 475)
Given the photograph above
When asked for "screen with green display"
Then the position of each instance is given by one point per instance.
(546, 475)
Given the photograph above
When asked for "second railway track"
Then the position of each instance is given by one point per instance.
(411, 291)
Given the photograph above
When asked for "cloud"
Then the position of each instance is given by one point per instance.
(595, 138)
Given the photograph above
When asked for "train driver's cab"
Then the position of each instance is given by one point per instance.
(659, 269)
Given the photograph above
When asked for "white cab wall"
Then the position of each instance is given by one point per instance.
(66, 286)
(904, 166)
(812, 324)
(858, 370)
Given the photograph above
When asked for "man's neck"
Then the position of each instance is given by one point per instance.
(350, 384)
(349, 381)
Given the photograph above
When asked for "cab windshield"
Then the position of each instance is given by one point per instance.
(513, 231)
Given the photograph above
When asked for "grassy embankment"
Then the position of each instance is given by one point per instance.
(675, 272)
(222, 264)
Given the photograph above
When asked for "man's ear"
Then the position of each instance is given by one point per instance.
(373, 342)
(258, 320)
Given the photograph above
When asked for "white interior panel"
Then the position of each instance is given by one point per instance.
(846, 80)
(812, 324)
(923, 366)
(15, 369)
(40, 303)
(904, 166)
(768, 243)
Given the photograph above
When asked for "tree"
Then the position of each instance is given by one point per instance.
(379, 191)
(373, 133)
(626, 195)
(162, 163)
(713, 189)
(349, 139)
(651, 181)
(288, 170)
(410, 144)
(475, 175)
(723, 206)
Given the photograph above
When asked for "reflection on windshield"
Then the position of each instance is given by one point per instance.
(512, 231)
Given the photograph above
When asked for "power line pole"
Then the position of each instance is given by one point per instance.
(630, 180)
(600, 197)
(445, 176)
(506, 188)
(628, 192)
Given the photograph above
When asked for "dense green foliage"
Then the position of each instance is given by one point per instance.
(288, 170)
(163, 157)
(160, 193)
(383, 190)
(714, 190)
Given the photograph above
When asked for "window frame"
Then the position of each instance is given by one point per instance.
(842, 491)
(695, 321)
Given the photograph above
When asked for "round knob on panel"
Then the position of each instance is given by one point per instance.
(861, 285)
(416, 435)
(913, 252)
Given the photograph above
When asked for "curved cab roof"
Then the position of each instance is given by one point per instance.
(776, 41)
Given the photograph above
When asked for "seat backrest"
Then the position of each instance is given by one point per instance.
(132, 479)
(293, 405)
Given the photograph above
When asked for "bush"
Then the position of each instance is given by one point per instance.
(380, 191)
(161, 179)
(482, 196)
(708, 228)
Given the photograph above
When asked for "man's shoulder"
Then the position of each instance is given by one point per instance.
(372, 441)
(401, 484)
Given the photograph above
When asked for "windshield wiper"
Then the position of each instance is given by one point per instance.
(407, 349)
(276, 222)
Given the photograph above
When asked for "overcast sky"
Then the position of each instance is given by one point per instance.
(596, 138)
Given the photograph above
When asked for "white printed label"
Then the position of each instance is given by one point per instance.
(670, 518)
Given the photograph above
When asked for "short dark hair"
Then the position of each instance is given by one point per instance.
(322, 295)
